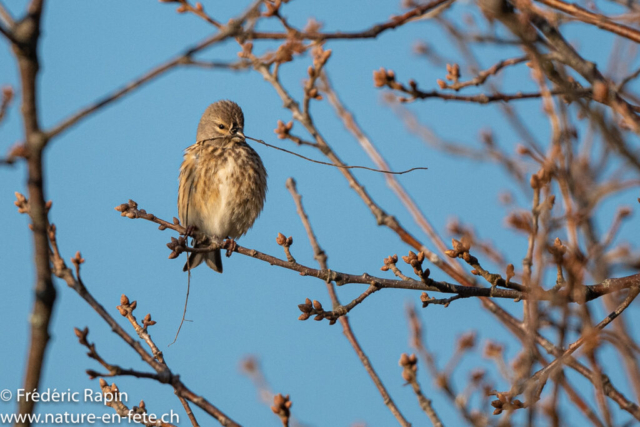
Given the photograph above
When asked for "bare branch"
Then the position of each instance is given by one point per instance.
(321, 257)
(232, 29)
(598, 20)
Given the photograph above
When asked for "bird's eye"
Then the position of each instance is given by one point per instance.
(220, 126)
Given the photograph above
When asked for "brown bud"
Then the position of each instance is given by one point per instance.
(493, 350)
(600, 92)
(304, 316)
(624, 211)
(510, 272)
(467, 341)
(305, 308)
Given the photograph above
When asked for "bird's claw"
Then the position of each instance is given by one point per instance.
(190, 231)
(230, 245)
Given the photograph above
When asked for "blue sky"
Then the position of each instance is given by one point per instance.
(133, 150)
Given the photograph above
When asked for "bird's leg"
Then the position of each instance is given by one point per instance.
(230, 245)
(190, 231)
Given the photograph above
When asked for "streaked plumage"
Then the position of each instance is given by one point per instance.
(223, 182)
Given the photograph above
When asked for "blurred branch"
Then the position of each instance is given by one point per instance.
(387, 78)
(440, 378)
(603, 91)
(25, 37)
(483, 75)
(382, 218)
(7, 97)
(600, 21)
(6, 16)
(8, 34)
(409, 366)
(587, 338)
(282, 408)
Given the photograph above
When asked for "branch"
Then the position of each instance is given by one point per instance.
(137, 413)
(26, 36)
(600, 21)
(603, 91)
(482, 76)
(367, 145)
(314, 308)
(409, 366)
(7, 97)
(130, 210)
(113, 370)
(155, 360)
(232, 29)
(282, 408)
(441, 378)
(589, 335)
(6, 16)
(420, 11)
(321, 257)
(8, 34)
(387, 78)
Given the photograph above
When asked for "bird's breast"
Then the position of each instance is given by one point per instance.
(228, 191)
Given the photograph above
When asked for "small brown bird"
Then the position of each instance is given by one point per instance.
(223, 182)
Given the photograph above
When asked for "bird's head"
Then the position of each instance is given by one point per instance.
(221, 123)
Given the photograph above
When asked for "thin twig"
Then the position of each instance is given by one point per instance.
(544, 373)
(154, 360)
(321, 257)
(598, 20)
(233, 28)
(334, 165)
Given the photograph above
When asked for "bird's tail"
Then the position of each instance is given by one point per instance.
(213, 260)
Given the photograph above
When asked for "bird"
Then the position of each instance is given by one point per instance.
(222, 183)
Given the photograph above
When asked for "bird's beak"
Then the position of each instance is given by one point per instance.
(240, 134)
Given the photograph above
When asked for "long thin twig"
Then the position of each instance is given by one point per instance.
(334, 165)
(321, 257)
(233, 28)
(415, 13)
(156, 359)
(409, 370)
(598, 20)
